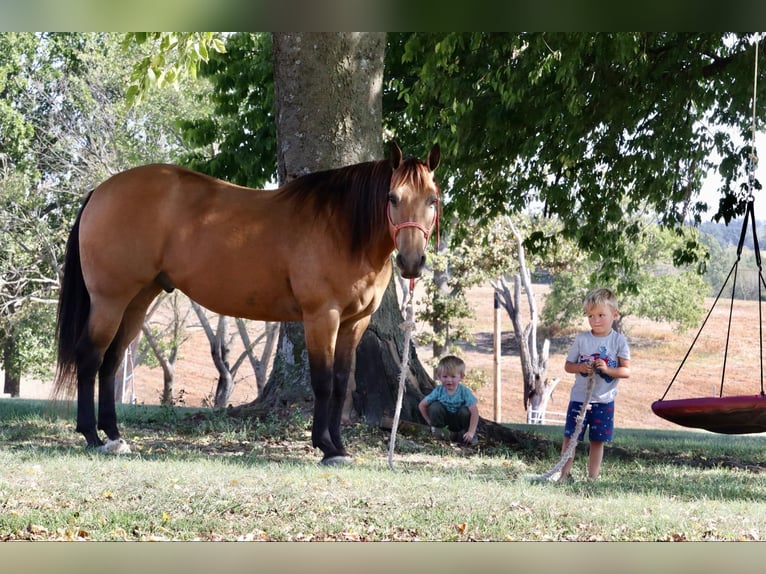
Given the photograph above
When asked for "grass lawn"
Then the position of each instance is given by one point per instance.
(218, 479)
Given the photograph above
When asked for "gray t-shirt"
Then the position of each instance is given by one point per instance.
(587, 348)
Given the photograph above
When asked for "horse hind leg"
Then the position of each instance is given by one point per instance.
(88, 361)
(129, 328)
(107, 412)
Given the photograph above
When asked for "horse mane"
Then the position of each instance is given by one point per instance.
(354, 196)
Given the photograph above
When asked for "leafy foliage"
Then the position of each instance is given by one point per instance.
(237, 141)
(64, 102)
(594, 128)
(667, 293)
(170, 58)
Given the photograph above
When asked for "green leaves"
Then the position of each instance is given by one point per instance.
(170, 57)
(596, 127)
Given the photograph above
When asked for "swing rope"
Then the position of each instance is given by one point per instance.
(580, 421)
(408, 325)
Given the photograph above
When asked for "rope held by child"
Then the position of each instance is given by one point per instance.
(569, 452)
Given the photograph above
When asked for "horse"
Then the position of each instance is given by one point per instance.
(318, 249)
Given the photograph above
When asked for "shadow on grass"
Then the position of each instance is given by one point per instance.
(682, 464)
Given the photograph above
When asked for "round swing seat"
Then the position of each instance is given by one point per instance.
(741, 414)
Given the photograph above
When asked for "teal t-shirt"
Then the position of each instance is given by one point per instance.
(462, 397)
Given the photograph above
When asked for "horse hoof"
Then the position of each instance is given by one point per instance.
(337, 460)
(117, 446)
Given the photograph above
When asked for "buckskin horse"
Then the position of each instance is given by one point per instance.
(317, 250)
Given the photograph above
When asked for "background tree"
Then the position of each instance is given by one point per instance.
(668, 293)
(455, 268)
(69, 128)
(221, 344)
(165, 340)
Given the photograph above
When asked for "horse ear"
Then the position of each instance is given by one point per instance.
(433, 157)
(395, 154)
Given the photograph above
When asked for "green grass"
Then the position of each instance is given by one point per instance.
(222, 479)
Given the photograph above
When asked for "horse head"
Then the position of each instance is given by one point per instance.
(413, 208)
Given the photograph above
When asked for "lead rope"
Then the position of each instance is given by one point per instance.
(409, 326)
(573, 442)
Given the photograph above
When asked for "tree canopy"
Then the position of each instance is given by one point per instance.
(592, 128)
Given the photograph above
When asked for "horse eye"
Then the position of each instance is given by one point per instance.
(393, 199)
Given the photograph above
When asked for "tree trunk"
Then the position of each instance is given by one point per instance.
(329, 111)
(259, 365)
(125, 371)
(328, 99)
(168, 382)
(219, 350)
(534, 365)
(378, 365)
(438, 324)
(166, 363)
(12, 382)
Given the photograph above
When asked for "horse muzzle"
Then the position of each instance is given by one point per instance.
(410, 266)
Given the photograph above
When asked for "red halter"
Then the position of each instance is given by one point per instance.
(426, 232)
(395, 229)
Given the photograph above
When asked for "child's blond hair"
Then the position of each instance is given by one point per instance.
(600, 297)
(452, 365)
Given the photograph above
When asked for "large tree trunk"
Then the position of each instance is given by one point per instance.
(12, 382)
(378, 365)
(328, 92)
(328, 95)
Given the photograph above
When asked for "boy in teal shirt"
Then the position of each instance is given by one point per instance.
(452, 404)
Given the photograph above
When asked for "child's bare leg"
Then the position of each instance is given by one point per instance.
(567, 468)
(595, 457)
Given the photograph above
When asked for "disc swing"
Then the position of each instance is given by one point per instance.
(736, 414)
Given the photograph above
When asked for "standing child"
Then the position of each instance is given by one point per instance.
(604, 352)
(452, 404)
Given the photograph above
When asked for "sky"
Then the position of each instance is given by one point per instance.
(710, 194)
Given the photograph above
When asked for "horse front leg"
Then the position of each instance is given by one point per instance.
(349, 336)
(321, 335)
(321, 384)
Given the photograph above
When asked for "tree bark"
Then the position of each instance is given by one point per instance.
(219, 350)
(166, 363)
(328, 92)
(329, 112)
(378, 364)
(328, 99)
(12, 382)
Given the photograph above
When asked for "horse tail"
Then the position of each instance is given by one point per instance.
(72, 316)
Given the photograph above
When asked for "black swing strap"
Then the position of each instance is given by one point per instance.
(749, 218)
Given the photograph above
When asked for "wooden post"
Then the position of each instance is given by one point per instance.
(496, 360)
